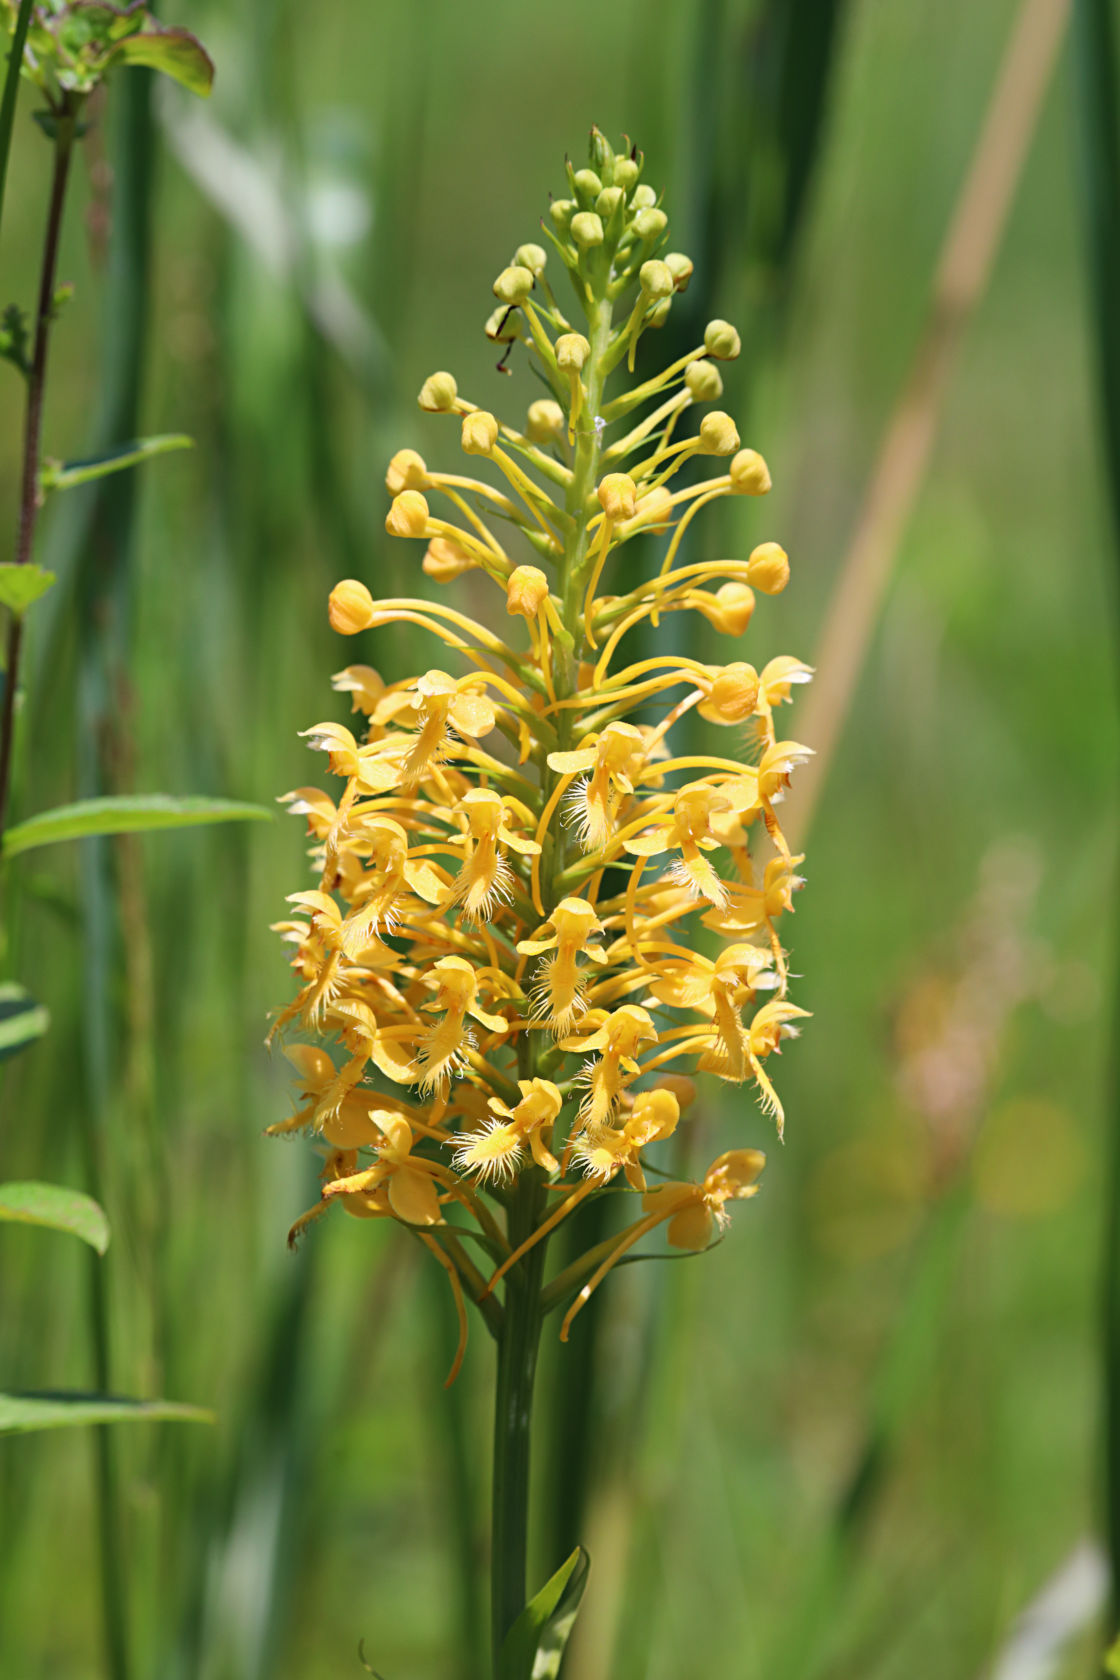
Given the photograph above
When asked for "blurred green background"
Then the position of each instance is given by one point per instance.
(860, 1436)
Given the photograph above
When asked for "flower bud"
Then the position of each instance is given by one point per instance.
(587, 229)
(655, 509)
(703, 382)
(659, 314)
(408, 516)
(587, 184)
(733, 695)
(406, 472)
(546, 420)
(608, 202)
(561, 211)
(513, 284)
(643, 197)
(438, 393)
(572, 350)
(680, 267)
(681, 1086)
(503, 325)
(768, 568)
(618, 496)
(526, 590)
(479, 433)
(532, 257)
(351, 607)
(445, 560)
(730, 608)
(718, 434)
(650, 224)
(722, 341)
(750, 476)
(656, 279)
(626, 172)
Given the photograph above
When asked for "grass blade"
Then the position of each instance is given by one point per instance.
(126, 814)
(22, 1413)
(57, 1208)
(11, 92)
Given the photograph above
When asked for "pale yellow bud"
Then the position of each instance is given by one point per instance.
(408, 516)
(643, 197)
(532, 257)
(588, 185)
(768, 568)
(546, 420)
(734, 694)
(351, 607)
(655, 279)
(656, 508)
(572, 350)
(479, 433)
(650, 224)
(659, 314)
(750, 476)
(406, 471)
(503, 325)
(561, 210)
(526, 591)
(513, 284)
(587, 229)
(722, 341)
(445, 560)
(618, 496)
(438, 393)
(681, 1086)
(608, 202)
(626, 172)
(730, 608)
(718, 434)
(702, 382)
(680, 267)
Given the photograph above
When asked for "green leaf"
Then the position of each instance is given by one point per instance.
(64, 476)
(58, 1208)
(21, 586)
(534, 1646)
(21, 1413)
(126, 814)
(22, 1020)
(176, 53)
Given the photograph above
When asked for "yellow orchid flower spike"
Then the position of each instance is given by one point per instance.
(546, 890)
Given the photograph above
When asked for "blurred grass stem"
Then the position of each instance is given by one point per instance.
(11, 92)
(960, 280)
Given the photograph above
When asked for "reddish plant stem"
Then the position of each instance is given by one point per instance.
(66, 120)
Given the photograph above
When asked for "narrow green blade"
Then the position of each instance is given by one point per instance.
(22, 1413)
(126, 814)
(22, 1020)
(534, 1645)
(57, 1208)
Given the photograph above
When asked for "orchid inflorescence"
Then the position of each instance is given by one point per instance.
(533, 917)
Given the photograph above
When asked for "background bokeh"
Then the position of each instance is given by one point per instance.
(860, 1436)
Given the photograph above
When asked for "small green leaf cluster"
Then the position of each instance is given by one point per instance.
(72, 44)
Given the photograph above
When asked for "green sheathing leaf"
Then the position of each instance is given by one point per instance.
(534, 1645)
(22, 1020)
(58, 1208)
(67, 475)
(22, 1413)
(126, 814)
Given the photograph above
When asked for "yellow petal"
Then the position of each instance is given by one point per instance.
(412, 1197)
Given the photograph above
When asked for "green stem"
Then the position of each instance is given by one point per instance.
(11, 92)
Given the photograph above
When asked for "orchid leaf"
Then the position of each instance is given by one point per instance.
(534, 1646)
(58, 1208)
(125, 814)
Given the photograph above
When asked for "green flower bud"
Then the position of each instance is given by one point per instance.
(703, 382)
(513, 284)
(546, 420)
(438, 393)
(750, 476)
(480, 433)
(532, 257)
(643, 197)
(718, 434)
(680, 267)
(722, 341)
(602, 152)
(608, 202)
(572, 350)
(587, 229)
(659, 314)
(650, 224)
(587, 185)
(626, 172)
(504, 325)
(656, 280)
(561, 210)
